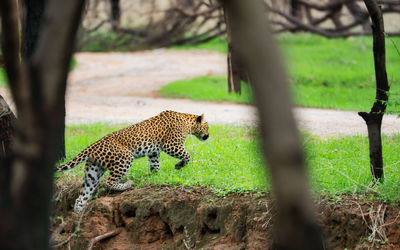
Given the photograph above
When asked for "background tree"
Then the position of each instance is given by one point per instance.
(115, 15)
(295, 9)
(38, 89)
(373, 119)
(295, 227)
(236, 72)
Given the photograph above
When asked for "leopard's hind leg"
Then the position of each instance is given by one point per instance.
(93, 173)
(117, 171)
(154, 160)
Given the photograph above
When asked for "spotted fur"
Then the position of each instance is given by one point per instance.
(165, 132)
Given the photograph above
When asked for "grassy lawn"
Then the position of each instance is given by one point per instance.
(230, 162)
(326, 73)
(206, 88)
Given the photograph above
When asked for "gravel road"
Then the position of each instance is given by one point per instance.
(122, 88)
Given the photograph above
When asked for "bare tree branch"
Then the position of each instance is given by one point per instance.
(325, 5)
(103, 236)
(181, 21)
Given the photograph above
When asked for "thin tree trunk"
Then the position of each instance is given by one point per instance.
(236, 71)
(373, 119)
(232, 61)
(295, 227)
(295, 9)
(115, 15)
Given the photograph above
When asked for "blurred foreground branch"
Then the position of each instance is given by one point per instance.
(295, 227)
(38, 89)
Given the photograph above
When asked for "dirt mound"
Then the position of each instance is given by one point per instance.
(193, 218)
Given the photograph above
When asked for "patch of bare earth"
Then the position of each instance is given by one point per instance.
(194, 218)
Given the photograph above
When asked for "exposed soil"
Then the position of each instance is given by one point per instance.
(194, 218)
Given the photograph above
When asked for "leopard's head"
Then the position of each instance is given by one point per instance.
(200, 129)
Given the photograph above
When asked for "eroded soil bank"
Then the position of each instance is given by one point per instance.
(194, 218)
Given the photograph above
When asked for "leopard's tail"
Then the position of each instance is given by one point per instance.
(82, 156)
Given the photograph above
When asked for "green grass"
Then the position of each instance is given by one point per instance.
(341, 166)
(206, 88)
(325, 73)
(73, 63)
(3, 77)
(230, 162)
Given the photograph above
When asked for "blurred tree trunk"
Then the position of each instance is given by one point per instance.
(31, 31)
(236, 72)
(38, 88)
(373, 119)
(295, 227)
(115, 15)
(295, 9)
(232, 62)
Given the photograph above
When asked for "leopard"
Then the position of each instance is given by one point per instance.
(115, 152)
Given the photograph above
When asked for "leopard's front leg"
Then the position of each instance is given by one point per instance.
(180, 153)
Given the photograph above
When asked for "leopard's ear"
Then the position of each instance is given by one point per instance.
(200, 118)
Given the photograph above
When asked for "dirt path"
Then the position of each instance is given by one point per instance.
(122, 87)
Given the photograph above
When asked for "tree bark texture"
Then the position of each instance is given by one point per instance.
(373, 119)
(31, 31)
(295, 227)
(38, 88)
